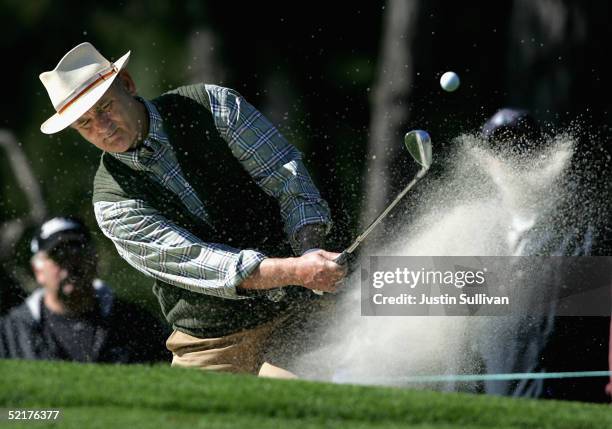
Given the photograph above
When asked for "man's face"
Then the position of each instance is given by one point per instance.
(116, 122)
(66, 278)
(49, 274)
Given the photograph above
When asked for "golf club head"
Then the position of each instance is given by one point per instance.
(418, 144)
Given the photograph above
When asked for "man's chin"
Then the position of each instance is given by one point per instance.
(118, 145)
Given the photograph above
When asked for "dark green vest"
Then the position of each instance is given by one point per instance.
(241, 214)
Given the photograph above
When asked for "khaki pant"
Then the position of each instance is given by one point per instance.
(242, 352)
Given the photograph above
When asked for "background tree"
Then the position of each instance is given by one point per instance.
(390, 95)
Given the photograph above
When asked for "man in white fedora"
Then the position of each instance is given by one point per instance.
(198, 190)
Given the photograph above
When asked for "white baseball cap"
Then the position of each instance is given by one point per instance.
(78, 81)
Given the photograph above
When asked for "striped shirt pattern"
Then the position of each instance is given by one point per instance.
(159, 248)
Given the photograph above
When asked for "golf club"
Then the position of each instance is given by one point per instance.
(418, 144)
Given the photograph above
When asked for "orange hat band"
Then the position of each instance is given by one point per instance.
(100, 78)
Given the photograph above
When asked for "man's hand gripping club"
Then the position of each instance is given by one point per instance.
(315, 270)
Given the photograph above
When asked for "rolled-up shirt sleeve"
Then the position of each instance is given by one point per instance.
(274, 164)
(161, 249)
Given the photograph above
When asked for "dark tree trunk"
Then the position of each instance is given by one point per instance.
(204, 62)
(389, 102)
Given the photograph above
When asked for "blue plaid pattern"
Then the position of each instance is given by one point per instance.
(161, 249)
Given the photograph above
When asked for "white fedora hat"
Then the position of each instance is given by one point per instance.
(78, 81)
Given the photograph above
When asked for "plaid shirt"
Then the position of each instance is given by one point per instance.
(161, 249)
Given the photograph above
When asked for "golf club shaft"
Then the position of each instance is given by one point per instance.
(418, 144)
(341, 260)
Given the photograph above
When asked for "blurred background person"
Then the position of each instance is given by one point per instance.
(73, 315)
(518, 340)
(538, 339)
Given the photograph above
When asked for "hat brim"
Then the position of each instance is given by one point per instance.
(61, 121)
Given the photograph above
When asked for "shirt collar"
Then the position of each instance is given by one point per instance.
(156, 128)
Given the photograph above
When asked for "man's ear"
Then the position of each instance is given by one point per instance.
(127, 82)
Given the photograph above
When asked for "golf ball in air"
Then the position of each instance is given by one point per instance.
(449, 81)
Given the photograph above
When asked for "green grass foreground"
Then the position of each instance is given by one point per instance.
(101, 396)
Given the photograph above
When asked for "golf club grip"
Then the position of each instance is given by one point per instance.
(342, 259)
